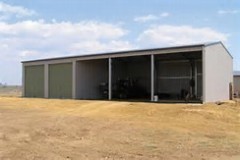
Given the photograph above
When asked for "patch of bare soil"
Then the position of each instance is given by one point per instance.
(72, 129)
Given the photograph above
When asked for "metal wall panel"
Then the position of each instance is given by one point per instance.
(135, 68)
(199, 86)
(173, 69)
(60, 80)
(217, 73)
(172, 77)
(236, 85)
(90, 74)
(34, 81)
(141, 71)
(199, 79)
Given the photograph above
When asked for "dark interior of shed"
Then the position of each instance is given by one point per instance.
(131, 78)
(178, 76)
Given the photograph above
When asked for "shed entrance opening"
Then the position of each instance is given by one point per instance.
(178, 77)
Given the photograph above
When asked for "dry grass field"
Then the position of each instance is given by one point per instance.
(10, 91)
(41, 129)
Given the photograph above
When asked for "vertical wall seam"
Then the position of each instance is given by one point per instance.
(46, 80)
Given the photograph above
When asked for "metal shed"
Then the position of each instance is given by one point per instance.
(236, 83)
(196, 73)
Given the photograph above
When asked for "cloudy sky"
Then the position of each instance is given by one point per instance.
(35, 29)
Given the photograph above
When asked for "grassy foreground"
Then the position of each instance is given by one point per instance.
(71, 129)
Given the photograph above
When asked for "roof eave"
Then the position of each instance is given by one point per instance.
(116, 53)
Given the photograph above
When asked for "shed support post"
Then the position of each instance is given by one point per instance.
(196, 78)
(152, 77)
(109, 78)
(23, 80)
(204, 100)
(46, 80)
(74, 72)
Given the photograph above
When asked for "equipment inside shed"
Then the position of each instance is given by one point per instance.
(131, 78)
(178, 76)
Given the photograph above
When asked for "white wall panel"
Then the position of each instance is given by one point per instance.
(217, 73)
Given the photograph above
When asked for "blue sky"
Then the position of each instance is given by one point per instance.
(50, 28)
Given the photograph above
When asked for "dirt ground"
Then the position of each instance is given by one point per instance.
(36, 129)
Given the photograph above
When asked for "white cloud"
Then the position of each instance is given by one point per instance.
(221, 12)
(28, 53)
(146, 18)
(166, 35)
(164, 14)
(39, 39)
(7, 11)
(150, 17)
(98, 47)
(79, 31)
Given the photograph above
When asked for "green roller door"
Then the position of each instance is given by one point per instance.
(60, 80)
(34, 81)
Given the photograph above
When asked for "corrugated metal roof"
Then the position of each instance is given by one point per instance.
(127, 52)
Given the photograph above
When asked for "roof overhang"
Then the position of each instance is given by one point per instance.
(167, 50)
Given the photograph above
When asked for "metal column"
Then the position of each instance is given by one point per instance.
(46, 80)
(204, 99)
(152, 77)
(110, 78)
(23, 80)
(196, 78)
(74, 68)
